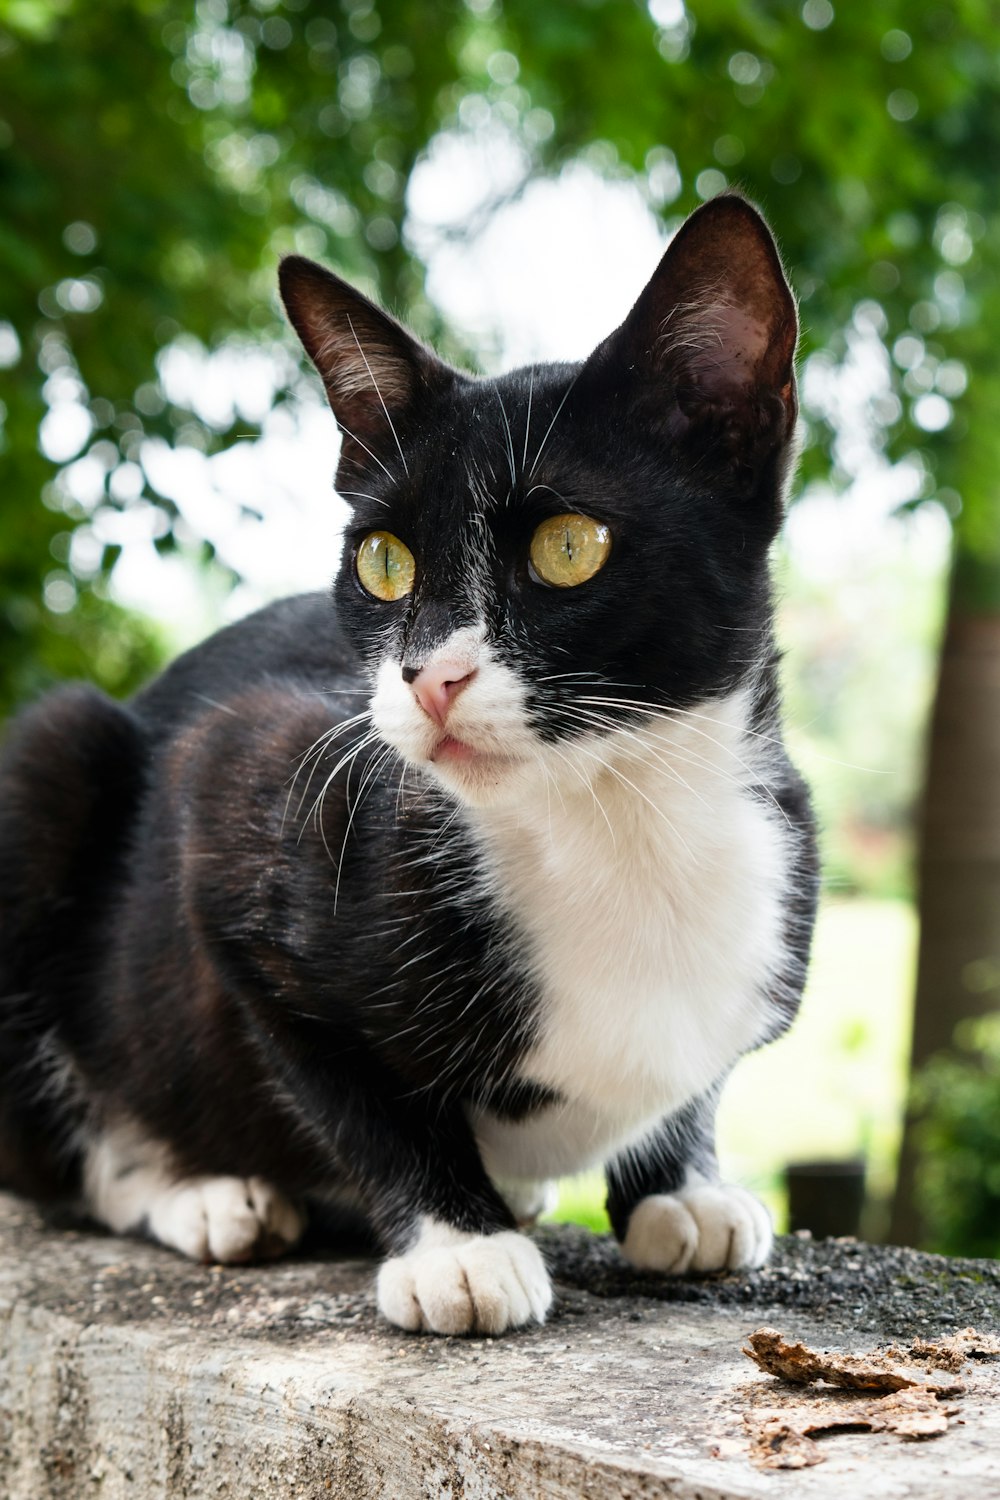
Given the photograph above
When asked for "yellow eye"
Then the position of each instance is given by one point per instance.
(567, 550)
(385, 566)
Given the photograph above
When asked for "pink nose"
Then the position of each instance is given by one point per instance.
(437, 685)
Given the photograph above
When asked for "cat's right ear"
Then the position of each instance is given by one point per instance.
(711, 340)
(375, 373)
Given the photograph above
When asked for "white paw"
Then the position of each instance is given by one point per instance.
(452, 1282)
(705, 1227)
(225, 1219)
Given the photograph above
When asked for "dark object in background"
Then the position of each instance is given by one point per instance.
(825, 1197)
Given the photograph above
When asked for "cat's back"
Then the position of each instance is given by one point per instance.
(296, 642)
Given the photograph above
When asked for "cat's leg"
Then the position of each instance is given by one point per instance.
(455, 1261)
(132, 1185)
(669, 1209)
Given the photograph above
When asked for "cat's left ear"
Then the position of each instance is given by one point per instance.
(712, 337)
(374, 372)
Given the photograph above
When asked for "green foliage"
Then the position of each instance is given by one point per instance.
(156, 156)
(958, 1140)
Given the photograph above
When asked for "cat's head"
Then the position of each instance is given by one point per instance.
(536, 562)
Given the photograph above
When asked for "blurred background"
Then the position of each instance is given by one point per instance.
(504, 174)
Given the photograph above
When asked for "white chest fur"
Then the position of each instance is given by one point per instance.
(650, 897)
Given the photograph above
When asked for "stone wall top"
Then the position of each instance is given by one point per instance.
(125, 1371)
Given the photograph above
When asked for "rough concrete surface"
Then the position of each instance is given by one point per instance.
(127, 1372)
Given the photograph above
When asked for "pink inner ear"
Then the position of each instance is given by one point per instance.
(354, 362)
(719, 344)
(717, 318)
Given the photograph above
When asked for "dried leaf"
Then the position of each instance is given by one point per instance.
(781, 1439)
(797, 1363)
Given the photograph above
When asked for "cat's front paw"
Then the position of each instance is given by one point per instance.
(705, 1227)
(483, 1283)
(227, 1219)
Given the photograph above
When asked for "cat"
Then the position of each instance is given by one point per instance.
(480, 874)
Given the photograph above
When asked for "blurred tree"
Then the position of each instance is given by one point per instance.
(156, 156)
(958, 1189)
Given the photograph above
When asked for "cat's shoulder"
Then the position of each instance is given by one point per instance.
(297, 640)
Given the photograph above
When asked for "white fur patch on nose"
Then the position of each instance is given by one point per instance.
(462, 686)
(437, 685)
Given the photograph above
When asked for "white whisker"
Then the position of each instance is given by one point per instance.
(548, 430)
(374, 382)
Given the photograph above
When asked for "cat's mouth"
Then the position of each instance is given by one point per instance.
(450, 751)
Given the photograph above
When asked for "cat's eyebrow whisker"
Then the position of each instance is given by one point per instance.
(362, 495)
(374, 382)
(527, 424)
(548, 430)
(355, 439)
(510, 438)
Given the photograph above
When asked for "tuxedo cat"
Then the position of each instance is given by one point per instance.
(480, 873)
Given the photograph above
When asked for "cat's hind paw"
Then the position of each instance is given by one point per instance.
(133, 1185)
(227, 1219)
(704, 1227)
(453, 1282)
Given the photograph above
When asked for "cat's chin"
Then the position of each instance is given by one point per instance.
(478, 776)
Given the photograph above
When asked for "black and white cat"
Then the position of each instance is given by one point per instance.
(481, 874)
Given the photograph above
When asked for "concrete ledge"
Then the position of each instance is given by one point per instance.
(126, 1372)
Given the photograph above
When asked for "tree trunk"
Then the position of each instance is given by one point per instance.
(959, 871)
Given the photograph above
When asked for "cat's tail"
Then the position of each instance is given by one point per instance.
(71, 775)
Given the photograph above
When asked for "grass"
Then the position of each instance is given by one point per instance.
(832, 1087)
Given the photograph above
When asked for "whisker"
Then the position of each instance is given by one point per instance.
(371, 775)
(355, 439)
(588, 787)
(602, 722)
(347, 760)
(374, 382)
(315, 753)
(510, 439)
(548, 430)
(363, 494)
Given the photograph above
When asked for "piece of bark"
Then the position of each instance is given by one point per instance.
(952, 1350)
(776, 1444)
(800, 1365)
(782, 1439)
